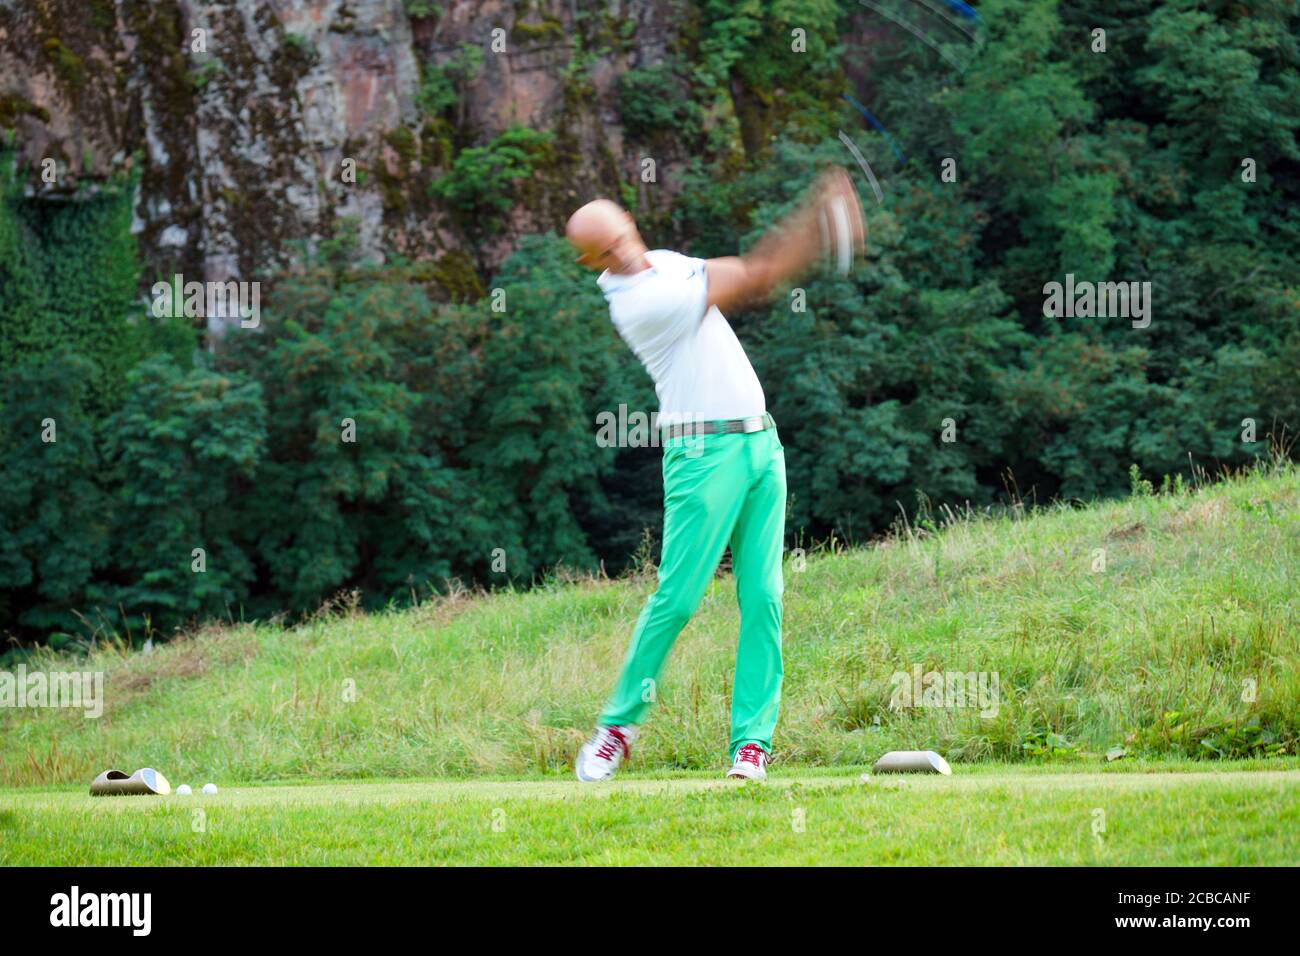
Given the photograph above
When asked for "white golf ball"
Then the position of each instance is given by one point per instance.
(183, 790)
(210, 788)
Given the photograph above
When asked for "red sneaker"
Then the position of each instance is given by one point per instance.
(751, 763)
(601, 756)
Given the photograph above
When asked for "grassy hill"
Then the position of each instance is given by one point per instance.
(1166, 624)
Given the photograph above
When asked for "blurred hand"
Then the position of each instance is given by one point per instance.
(835, 183)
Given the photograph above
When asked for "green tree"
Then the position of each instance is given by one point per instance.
(181, 452)
(55, 517)
(486, 182)
(548, 359)
(359, 486)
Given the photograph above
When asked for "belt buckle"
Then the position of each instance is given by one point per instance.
(751, 425)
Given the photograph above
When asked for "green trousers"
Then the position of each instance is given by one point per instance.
(719, 490)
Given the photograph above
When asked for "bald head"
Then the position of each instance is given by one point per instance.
(606, 237)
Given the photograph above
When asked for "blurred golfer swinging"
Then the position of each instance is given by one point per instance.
(723, 464)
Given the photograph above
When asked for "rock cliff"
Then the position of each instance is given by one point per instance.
(254, 126)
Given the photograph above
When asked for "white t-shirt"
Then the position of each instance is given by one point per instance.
(700, 371)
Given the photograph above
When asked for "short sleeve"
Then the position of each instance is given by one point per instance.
(664, 306)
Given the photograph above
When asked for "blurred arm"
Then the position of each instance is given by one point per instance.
(785, 251)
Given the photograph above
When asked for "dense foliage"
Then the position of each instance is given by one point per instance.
(932, 372)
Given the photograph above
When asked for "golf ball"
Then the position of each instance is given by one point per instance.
(210, 788)
(183, 790)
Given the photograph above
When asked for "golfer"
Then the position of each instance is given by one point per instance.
(723, 464)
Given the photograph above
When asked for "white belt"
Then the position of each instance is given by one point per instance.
(756, 423)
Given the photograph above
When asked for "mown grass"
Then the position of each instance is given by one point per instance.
(985, 814)
(1189, 634)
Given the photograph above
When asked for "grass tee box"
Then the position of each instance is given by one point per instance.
(1151, 814)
